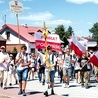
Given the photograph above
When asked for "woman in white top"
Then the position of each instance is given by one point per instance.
(12, 70)
(32, 68)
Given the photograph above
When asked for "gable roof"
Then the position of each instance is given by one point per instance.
(25, 31)
(89, 38)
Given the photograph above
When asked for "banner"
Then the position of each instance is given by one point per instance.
(52, 39)
(94, 59)
(79, 46)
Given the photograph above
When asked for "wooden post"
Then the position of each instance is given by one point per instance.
(18, 32)
(46, 52)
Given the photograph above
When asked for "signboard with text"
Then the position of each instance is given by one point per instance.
(16, 7)
(52, 39)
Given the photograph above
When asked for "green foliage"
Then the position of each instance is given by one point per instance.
(14, 50)
(94, 31)
(63, 33)
(70, 30)
(8, 52)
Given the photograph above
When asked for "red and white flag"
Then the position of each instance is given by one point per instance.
(94, 59)
(79, 46)
(52, 39)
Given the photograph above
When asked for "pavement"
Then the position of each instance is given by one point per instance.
(35, 89)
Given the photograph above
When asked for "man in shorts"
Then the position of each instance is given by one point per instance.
(49, 71)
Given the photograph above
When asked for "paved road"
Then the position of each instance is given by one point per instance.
(36, 89)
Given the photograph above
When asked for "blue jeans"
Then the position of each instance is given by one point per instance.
(22, 74)
(49, 76)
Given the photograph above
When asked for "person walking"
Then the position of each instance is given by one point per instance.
(32, 67)
(49, 71)
(4, 64)
(83, 61)
(67, 68)
(23, 61)
(12, 70)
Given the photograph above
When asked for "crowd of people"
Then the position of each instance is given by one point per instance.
(26, 66)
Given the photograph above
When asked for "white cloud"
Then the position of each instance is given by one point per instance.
(26, 0)
(1, 1)
(55, 22)
(59, 22)
(26, 8)
(38, 16)
(82, 1)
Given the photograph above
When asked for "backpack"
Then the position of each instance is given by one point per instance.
(53, 58)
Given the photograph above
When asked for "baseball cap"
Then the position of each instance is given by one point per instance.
(3, 47)
(60, 52)
(11, 55)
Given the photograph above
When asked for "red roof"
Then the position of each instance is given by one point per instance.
(88, 38)
(25, 31)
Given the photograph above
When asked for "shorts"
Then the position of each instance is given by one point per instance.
(76, 71)
(67, 71)
(12, 72)
(42, 70)
(49, 76)
(22, 74)
(33, 69)
(1, 73)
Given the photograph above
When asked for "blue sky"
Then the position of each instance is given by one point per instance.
(80, 14)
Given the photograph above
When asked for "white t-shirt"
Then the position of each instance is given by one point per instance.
(11, 68)
(4, 56)
(26, 58)
(50, 57)
(67, 61)
(32, 63)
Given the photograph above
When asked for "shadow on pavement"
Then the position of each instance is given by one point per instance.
(33, 92)
(65, 95)
(57, 85)
(74, 86)
(12, 87)
(92, 81)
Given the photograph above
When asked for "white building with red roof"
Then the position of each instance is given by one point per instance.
(11, 34)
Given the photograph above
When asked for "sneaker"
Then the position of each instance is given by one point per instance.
(52, 92)
(86, 87)
(48, 86)
(82, 85)
(4, 88)
(1, 84)
(20, 92)
(43, 83)
(67, 86)
(23, 92)
(16, 82)
(46, 93)
(10, 84)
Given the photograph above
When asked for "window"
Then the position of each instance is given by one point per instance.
(8, 35)
(32, 50)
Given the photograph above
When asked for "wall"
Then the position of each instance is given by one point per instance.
(14, 41)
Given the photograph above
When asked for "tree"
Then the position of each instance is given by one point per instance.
(94, 31)
(14, 50)
(70, 30)
(63, 33)
(60, 30)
